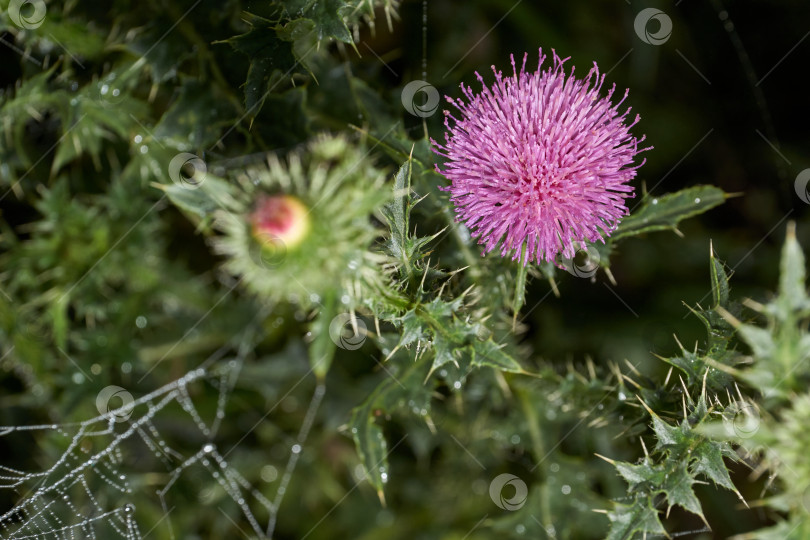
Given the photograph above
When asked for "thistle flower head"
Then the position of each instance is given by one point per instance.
(299, 228)
(539, 161)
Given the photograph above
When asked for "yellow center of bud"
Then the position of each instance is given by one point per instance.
(280, 219)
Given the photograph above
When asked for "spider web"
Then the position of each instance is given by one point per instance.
(88, 489)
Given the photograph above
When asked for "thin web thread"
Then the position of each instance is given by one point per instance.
(85, 492)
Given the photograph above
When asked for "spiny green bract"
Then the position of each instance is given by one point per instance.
(681, 458)
(341, 190)
(768, 419)
(751, 408)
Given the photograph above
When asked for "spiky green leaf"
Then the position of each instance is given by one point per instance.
(666, 211)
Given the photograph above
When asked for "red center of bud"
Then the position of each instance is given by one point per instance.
(279, 218)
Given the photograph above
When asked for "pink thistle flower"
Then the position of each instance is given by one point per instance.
(539, 160)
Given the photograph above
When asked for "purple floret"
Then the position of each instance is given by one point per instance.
(539, 159)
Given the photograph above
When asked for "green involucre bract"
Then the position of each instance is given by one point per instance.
(341, 189)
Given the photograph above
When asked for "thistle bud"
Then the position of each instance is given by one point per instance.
(280, 218)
